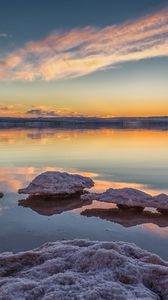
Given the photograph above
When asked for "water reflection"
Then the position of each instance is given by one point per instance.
(112, 158)
(50, 205)
(130, 157)
(127, 218)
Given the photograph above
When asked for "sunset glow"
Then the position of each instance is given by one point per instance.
(117, 69)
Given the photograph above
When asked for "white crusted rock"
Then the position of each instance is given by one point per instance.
(162, 200)
(83, 270)
(57, 183)
(130, 198)
(125, 196)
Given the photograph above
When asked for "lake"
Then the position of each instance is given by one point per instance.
(113, 158)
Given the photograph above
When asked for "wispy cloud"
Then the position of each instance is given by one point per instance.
(4, 35)
(6, 107)
(85, 50)
(44, 111)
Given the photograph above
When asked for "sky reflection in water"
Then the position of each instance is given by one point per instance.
(112, 158)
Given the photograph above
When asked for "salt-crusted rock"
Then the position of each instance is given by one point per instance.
(130, 198)
(163, 199)
(83, 269)
(125, 197)
(127, 218)
(57, 183)
(51, 207)
(1, 194)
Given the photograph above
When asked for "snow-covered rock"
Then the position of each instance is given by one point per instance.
(82, 269)
(48, 206)
(58, 183)
(130, 198)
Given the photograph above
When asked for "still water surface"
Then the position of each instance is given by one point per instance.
(113, 158)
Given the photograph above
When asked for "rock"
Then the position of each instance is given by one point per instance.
(162, 198)
(124, 198)
(127, 198)
(81, 269)
(1, 194)
(126, 207)
(48, 206)
(57, 183)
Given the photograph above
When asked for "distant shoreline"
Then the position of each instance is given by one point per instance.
(86, 122)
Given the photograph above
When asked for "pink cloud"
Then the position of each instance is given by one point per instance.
(85, 50)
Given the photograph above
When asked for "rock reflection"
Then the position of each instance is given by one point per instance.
(52, 205)
(127, 218)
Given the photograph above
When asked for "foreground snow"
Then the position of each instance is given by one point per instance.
(129, 197)
(83, 269)
(59, 183)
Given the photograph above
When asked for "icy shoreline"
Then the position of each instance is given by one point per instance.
(82, 269)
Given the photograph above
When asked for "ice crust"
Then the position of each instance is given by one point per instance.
(82, 269)
(59, 183)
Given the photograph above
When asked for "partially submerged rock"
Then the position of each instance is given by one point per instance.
(82, 269)
(124, 198)
(127, 198)
(57, 183)
(163, 199)
(1, 194)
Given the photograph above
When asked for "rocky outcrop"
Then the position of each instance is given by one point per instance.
(57, 183)
(162, 201)
(82, 269)
(127, 198)
(1, 194)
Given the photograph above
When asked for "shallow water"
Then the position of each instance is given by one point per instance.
(113, 158)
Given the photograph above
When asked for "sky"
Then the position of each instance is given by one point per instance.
(83, 58)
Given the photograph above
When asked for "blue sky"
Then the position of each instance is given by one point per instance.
(120, 86)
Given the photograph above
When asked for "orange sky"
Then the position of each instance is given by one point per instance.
(117, 70)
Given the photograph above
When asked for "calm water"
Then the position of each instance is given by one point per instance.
(112, 158)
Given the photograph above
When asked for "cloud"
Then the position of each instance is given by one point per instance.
(3, 35)
(82, 51)
(41, 113)
(6, 107)
(44, 111)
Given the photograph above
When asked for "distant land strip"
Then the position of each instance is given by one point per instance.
(86, 122)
